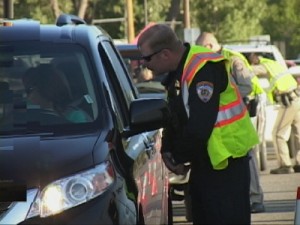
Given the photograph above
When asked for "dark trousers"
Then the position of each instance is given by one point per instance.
(220, 196)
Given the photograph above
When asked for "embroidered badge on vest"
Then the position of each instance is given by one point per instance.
(205, 90)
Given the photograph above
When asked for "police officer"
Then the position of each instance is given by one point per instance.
(249, 88)
(210, 126)
(283, 91)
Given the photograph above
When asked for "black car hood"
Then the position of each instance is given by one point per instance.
(38, 161)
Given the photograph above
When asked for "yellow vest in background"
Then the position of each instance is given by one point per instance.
(281, 80)
(256, 87)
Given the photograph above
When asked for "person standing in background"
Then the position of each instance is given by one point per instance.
(283, 90)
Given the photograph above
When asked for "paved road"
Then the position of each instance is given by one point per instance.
(280, 199)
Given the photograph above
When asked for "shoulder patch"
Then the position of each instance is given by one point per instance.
(204, 90)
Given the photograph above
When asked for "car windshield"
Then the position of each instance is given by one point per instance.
(45, 87)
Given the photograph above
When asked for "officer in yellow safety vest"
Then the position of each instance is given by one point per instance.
(252, 94)
(283, 91)
(210, 126)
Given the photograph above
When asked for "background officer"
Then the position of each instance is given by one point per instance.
(282, 90)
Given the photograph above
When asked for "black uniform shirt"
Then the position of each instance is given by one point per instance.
(191, 134)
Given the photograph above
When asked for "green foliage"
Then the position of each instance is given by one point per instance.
(156, 12)
(35, 9)
(103, 9)
(283, 23)
(40, 9)
(230, 20)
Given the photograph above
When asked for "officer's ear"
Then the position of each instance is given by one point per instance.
(166, 53)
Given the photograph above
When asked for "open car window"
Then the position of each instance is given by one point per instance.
(147, 83)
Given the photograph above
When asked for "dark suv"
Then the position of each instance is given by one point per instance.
(77, 144)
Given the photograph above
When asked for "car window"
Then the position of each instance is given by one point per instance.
(123, 91)
(44, 85)
(148, 84)
(118, 69)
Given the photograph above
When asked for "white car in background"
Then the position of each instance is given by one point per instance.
(271, 52)
(265, 50)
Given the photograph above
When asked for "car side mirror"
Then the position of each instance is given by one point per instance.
(147, 114)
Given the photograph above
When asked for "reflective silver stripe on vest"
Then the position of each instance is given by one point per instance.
(185, 97)
(230, 113)
(276, 78)
(223, 115)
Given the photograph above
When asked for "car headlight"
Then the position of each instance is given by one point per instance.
(72, 191)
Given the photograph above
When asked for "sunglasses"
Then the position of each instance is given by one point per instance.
(148, 58)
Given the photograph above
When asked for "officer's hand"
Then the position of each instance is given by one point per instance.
(178, 169)
(169, 161)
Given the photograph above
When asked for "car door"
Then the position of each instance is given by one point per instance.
(149, 172)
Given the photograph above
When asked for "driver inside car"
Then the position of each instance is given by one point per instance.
(47, 88)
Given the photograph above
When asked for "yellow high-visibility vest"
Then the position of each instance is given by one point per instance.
(233, 134)
(256, 87)
(281, 80)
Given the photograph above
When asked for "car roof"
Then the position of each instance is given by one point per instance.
(127, 46)
(129, 51)
(251, 48)
(32, 30)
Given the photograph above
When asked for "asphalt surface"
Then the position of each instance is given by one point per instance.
(279, 199)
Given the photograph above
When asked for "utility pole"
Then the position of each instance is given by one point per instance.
(146, 12)
(8, 9)
(186, 7)
(130, 21)
(190, 34)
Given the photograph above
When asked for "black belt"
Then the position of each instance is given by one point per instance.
(287, 98)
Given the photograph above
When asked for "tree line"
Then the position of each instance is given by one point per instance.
(229, 20)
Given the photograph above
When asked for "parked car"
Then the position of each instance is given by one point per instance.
(272, 52)
(149, 89)
(104, 168)
(266, 50)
